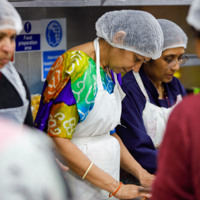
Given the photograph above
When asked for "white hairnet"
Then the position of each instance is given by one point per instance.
(9, 17)
(193, 17)
(174, 36)
(142, 32)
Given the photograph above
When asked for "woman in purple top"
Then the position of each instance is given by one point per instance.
(150, 96)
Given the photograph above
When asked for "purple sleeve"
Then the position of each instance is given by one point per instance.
(65, 96)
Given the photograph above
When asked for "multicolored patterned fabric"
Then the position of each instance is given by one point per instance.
(69, 93)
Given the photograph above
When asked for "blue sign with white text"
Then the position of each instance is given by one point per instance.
(29, 42)
(49, 57)
(54, 33)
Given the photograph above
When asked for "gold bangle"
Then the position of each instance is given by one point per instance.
(88, 169)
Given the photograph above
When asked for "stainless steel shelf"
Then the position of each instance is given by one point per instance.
(144, 2)
(55, 3)
(84, 3)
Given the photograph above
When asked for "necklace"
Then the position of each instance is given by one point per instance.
(165, 95)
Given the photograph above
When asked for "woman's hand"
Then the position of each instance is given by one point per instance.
(129, 164)
(131, 191)
(146, 178)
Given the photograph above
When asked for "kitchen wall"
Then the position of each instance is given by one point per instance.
(81, 28)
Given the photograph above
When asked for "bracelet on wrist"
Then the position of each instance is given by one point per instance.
(111, 194)
(88, 169)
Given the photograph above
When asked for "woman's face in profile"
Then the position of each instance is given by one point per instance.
(7, 45)
(122, 61)
(163, 69)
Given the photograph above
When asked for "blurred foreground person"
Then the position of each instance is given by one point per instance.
(28, 169)
(15, 100)
(178, 175)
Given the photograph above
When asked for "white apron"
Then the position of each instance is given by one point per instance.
(154, 117)
(92, 137)
(15, 114)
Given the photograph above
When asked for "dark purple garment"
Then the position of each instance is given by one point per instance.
(132, 130)
(65, 96)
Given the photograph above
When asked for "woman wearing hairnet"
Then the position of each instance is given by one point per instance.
(15, 98)
(81, 104)
(151, 94)
(178, 174)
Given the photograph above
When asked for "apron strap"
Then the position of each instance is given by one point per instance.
(96, 46)
(141, 85)
(99, 81)
(115, 77)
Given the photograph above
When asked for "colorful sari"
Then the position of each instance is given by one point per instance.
(69, 93)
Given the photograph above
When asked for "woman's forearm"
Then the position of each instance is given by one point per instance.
(129, 164)
(79, 163)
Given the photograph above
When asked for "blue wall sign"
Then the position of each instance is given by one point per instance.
(29, 42)
(53, 42)
(27, 27)
(49, 57)
(54, 33)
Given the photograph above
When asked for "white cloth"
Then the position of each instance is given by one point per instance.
(17, 114)
(154, 117)
(28, 169)
(92, 137)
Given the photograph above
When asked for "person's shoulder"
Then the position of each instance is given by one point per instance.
(192, 99)
(127, 76)
(128, 80)
(71, 64)
(132, 89)
(76, 56)
(190, 103)
(76, 62)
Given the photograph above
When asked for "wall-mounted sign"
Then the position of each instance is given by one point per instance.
(54, 33)
(46, 35)
(53, 42)
(49, 57)
(29, 39)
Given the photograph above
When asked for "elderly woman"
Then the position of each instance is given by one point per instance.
(15, 97)
(150, 96)
(81, 104)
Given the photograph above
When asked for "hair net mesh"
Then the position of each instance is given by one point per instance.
(143, 34)
(9, 17)
(174, 36)
(193, 17)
